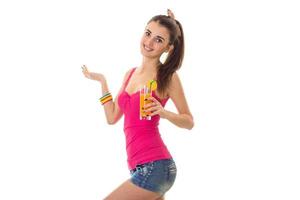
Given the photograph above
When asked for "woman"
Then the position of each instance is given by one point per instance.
(152, 168)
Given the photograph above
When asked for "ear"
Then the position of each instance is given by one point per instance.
(170, 48)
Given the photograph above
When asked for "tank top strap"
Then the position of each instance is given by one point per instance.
(129, 77)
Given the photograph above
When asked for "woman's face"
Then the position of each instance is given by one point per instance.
(155, 40)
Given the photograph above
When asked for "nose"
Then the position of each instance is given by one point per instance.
(149, 42)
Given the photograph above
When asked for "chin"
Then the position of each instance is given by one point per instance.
(147, 54)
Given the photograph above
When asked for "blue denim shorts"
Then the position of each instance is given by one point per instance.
(157, 176)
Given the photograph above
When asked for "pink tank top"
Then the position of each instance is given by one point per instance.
(143, 140)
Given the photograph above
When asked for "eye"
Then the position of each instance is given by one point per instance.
(159, 40)
(147, 33)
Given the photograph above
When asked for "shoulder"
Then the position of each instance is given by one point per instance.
(127, 73)
(175, 77)
(175, 82)
(177, 95)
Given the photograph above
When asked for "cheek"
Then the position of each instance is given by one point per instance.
(160, 48)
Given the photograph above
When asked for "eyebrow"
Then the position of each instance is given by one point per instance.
(157, 35)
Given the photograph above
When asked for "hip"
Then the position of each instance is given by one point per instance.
(157, 176)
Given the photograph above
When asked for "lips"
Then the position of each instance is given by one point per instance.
(147, 48)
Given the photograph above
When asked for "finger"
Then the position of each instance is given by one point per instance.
(149, 105)
(152, 109)
(154, 113)
(84, 68)
(155, 102)
(153, 99)
(171, 14)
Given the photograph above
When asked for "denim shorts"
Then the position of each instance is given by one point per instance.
(157, 176)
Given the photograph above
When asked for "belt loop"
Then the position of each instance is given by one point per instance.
(138, 167)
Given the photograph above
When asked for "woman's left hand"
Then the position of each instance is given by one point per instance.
(154, 108)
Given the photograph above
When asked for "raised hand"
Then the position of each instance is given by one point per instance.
(92, 75)
(170, 14)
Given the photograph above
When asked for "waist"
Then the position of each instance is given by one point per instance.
(133, 121)
(145, 127)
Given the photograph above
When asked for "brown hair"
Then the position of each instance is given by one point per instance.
(174, 60)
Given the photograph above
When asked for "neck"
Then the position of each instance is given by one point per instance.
(149, 65)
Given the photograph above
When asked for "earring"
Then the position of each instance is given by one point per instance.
(164, 57)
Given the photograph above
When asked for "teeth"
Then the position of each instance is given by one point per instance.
(148, 49)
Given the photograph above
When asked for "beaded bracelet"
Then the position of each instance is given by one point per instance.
(106, 98)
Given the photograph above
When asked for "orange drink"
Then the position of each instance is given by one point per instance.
(145, 93)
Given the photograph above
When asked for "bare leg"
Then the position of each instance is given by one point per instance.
(129, 191)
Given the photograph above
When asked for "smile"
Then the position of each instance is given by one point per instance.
(147, 48)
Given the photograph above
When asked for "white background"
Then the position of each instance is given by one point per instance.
(240, 79)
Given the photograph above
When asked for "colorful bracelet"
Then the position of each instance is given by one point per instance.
(105, 98)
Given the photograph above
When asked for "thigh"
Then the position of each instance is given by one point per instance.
(129, 191)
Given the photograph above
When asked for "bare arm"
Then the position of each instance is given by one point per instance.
(112, 111)
(111, 108)
(184, 118)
